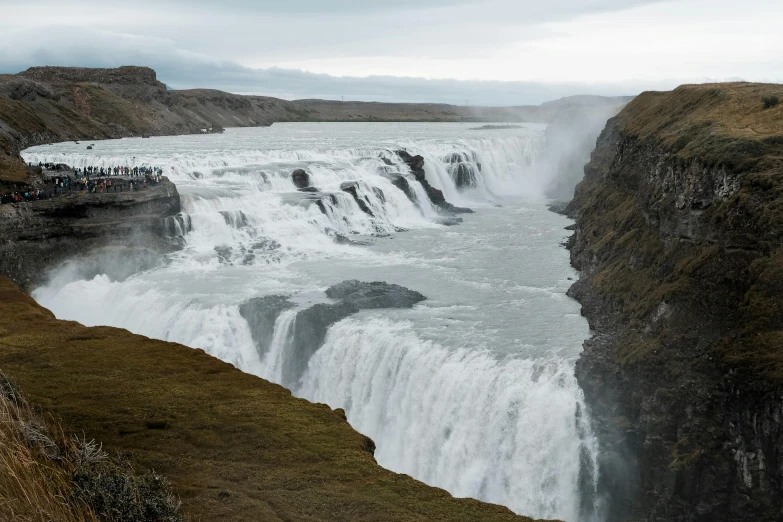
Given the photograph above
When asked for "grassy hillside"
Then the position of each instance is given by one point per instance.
(325, 110)
(50, 104)
(728, 123)
(233, 446)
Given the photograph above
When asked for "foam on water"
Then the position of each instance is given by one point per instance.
(473, 391)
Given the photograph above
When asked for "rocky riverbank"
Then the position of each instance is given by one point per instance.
(679, 241)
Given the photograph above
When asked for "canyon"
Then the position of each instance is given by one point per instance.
(679, 247)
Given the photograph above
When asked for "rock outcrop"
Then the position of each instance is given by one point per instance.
(351, 187)
(312, 323)
(416, 164)
(679, 242)
(300, 178)
(261, 314)
(463, 169)
(39, 235)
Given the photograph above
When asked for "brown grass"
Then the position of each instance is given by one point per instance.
(48, 476)
(718, 123)
(35, 480)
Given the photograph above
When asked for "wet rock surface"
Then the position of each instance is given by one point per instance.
(300, 178)
(312, 323)
(463, 169)
(261, 314)
(416, 164)
(351, 187)
(374, 295)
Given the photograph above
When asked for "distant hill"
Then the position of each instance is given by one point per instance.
(51, 104)
(326, 110)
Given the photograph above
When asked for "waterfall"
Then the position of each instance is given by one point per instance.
(281, 339)
(507, 428)
(466, 422)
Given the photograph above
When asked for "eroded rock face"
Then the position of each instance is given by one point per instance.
(37, 236)
(374, 295)
(311, 324)
(261, 314)
(121, 75)
(401, 182)
(351, 188)
(463, 169)
(673, 254)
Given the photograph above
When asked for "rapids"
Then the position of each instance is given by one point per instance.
(472, 390)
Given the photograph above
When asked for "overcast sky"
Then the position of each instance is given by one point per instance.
(490, 52)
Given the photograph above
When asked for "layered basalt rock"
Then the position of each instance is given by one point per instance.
(36, 236)
(679, 241)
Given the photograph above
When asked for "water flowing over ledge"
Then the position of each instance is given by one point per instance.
(473, 390)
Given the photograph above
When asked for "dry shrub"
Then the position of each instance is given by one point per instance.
(46, 476)
(34, 485)
(770, 101)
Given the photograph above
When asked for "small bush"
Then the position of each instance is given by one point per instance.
(114, 492)
(770, 101)
(47, 476)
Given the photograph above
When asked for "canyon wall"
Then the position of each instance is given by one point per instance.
(123, 232)
(679, 240)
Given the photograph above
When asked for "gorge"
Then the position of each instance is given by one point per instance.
(464, 368)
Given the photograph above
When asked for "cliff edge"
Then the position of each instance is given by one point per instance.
(123, 231)
(233, 446)
(679, 241)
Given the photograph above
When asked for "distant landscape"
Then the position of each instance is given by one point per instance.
(49, 104)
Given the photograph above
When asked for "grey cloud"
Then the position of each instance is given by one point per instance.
(270, 31)
(182, 69)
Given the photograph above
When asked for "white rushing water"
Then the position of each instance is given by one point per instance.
(472, 390)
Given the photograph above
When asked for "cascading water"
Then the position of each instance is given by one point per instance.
(281, 339)
(471, 390)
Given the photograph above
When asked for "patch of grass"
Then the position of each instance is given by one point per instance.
(717, 123)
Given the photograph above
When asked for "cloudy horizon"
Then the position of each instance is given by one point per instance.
(480, 52)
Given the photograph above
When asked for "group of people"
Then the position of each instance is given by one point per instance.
(128, 172)
(24, 196)
(92, 179)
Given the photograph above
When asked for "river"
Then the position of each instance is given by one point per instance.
(473, 389)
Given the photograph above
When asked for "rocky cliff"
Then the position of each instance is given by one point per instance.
(124, 232)
(679, 241)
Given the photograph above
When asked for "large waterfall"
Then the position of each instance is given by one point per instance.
(471, 390)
